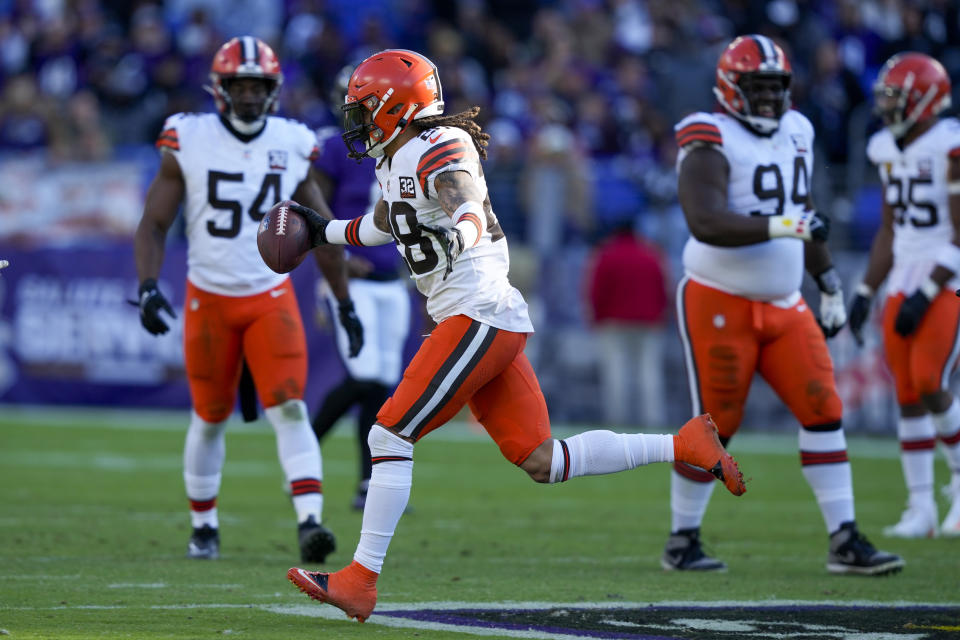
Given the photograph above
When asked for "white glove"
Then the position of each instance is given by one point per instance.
(833, 313)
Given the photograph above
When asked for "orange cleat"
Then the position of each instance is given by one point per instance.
(353, 589)
(697, 443)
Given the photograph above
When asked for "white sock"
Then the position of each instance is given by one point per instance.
(387, 495)
(918, 443)
(823, 456)
(688, 501)
(600, 452)
(948, 427)
(299, 456)
(204, 451)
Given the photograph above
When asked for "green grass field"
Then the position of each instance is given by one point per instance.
(94, 528)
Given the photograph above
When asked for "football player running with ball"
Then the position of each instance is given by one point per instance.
(917, 252)
(744, 185)
(228, 169)
(435, 208)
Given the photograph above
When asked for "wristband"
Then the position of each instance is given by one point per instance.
(795, 226)
(359, 232)
(949, 258)
(467, 217)
(865, 290)
(953, 188)
(929, 288)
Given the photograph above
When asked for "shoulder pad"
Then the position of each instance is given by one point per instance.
(698, 128)
(880, 147)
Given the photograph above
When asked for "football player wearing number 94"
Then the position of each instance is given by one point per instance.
(435, 208)
(744, 186)
(917, 252)
(227, 170)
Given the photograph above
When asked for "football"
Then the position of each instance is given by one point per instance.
(283, 238)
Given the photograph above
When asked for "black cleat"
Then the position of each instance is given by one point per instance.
(204, 543)
(683, 552)
(316, 541)
(851, 552)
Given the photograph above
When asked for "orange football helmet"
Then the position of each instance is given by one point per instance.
(387, 92)
(245, 57)
(911, 88)
(744, 61)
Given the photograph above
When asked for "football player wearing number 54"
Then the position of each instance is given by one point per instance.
(435, 208)
(917, 252)
(744, 186)
(228, 169)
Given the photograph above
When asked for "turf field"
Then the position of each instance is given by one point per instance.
(93, 531)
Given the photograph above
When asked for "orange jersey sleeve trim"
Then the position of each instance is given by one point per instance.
(699, 131)
(438, 157)
(953, 153)
(168, 138)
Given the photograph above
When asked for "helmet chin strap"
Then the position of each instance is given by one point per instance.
(377, 150)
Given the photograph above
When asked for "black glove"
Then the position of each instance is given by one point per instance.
(451, 241)
(316, 224)
(151, 303)
(352, 325)
(859, 312)
(819, 227)
(911, 313)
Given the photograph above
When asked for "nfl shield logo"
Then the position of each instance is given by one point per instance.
(277, 160)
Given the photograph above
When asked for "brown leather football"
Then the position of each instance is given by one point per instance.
(283, 238)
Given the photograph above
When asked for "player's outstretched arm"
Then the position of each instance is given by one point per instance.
(164, 195)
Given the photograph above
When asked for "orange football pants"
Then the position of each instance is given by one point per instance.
(265, 329)
(466, 362)
(726, 338)
(922, 362)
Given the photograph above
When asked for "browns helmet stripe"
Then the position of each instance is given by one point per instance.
(249, 50)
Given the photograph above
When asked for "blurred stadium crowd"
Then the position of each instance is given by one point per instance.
(570, 89)
(579, 96)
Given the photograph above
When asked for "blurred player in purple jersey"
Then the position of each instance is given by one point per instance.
(378, 293)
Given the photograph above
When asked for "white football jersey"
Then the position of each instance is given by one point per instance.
(478, 286)
(915, 186)
(769, 175)
(230, 185)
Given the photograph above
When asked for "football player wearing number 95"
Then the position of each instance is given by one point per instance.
(227, 169)
(744, 186)
(917, 252)
(435, 208)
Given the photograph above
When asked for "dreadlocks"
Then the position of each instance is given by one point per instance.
(463, 120)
